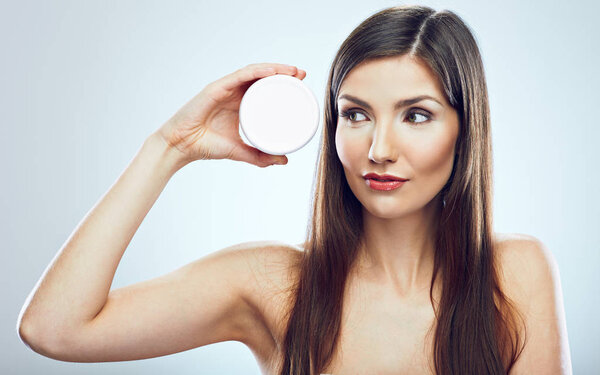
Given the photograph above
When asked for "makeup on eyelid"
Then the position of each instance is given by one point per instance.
(413, 111)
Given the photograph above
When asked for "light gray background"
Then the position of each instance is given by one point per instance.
(83, 83)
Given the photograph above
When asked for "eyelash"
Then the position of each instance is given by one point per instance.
(347, 113)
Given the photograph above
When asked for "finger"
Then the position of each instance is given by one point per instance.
(301, 74)
(255, 71)
(255, 156)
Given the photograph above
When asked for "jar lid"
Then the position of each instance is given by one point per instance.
(279, 114)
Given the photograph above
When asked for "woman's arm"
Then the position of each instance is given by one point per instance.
(74, 287)
(72, 315)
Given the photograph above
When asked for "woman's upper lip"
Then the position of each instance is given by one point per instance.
(384, 177)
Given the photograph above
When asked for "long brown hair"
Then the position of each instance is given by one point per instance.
(476, 331)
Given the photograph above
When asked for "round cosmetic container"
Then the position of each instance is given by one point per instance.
(279, 114)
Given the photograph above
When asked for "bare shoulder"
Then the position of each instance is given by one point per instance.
(518, 244)
(530, 278)
(524, 262)
(526, 268)
(272, 262)
(267, 268)
(274, 267)
(268, 288)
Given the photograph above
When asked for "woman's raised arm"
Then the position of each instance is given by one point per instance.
(71, 314)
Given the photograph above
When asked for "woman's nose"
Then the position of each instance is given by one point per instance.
(383, 147)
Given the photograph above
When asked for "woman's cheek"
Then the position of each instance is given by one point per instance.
(433, 155)
(345, 146)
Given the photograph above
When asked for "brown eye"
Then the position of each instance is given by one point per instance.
(351, 115)
(413, 116)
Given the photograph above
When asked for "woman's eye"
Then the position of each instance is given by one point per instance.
(350, 115)
(413, 116)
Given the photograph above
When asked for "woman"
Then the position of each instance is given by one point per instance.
(395, 277)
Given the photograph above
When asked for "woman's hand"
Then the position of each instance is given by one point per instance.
(207, 127)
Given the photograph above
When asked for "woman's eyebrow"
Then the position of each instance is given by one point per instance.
(399, 103)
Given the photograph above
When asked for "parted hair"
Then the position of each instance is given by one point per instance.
(476, 330)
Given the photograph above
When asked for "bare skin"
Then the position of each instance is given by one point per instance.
(239, 293)
(72, 304)
(384, 334)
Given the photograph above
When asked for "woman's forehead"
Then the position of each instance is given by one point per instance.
(397, 76)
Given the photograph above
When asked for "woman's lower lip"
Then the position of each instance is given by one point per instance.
(380, 185)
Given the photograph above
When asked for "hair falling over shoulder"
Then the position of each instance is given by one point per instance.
(476, 325)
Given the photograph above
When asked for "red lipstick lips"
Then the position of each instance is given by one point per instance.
(383, 182)
(383, 177)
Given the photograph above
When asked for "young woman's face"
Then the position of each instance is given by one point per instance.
(414, 141)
